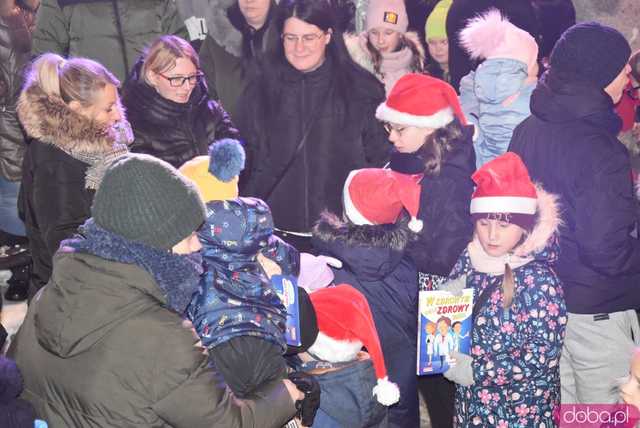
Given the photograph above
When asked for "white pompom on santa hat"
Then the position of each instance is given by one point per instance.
(421, 101)
(377, 196)
(345, 325)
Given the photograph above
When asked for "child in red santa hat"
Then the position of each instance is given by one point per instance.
(512, 376)
(371, 244)
(355, 387)
(428, 129)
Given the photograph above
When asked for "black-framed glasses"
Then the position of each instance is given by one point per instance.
(389, 127)
(307, 39)
(179, 81)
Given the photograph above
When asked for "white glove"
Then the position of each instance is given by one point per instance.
(331, 261)
(461, 373)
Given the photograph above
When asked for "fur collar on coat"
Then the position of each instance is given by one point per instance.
(330, 229)
(51, 121)
(222, 30)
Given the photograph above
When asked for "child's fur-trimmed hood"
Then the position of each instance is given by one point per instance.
(371, 252)
(53, 122)
(330, 228)
(548, 220)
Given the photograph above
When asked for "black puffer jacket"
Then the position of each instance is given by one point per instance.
(54, 199)
(444, 206)
(172, 131)
(15, 52)
(343, 135)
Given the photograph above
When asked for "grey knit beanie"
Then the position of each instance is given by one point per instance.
(590, 51)
(144, 199)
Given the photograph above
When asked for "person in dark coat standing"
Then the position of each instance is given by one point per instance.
(168, 104)
(569, 145)
(309, 120)
(71, 111)
(519, 12)
(240, 34)
(427, 128)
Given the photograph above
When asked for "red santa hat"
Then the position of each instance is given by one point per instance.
(504, 187)
(345, 325)
(377, 196)
(421, 101)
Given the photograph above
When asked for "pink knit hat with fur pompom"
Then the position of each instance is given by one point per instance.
(491, 35)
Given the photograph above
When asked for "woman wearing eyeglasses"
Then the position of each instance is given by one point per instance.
(309, 120)
(168, 104)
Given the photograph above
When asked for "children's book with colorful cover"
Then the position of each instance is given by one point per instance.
(444, 326)
(286, 287)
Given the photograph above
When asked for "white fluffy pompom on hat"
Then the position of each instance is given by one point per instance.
(491, 35)
(345, 325)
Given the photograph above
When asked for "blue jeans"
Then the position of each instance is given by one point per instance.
(346, 399)
(9, 220)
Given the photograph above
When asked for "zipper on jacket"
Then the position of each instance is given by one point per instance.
(188, 126)
(305, 167)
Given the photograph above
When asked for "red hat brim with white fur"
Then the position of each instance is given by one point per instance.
(421, 101)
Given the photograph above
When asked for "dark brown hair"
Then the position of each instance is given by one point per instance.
(438, 145)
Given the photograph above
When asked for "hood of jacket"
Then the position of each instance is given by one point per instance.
(142, 100)
(371, 252)
(86, 298)
(559, 99)
(223, 31)
(497, 79)
(51, 121)
(542, 243)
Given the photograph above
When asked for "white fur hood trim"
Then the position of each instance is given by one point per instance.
(548, 220)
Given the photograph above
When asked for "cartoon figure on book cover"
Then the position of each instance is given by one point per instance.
(430, 341)
(444, 340)
(457, 335)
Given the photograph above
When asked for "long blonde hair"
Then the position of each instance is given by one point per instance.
(163, 53)
(75, 79)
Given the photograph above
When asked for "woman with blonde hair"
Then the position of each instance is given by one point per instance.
(168, 104)
(71, 111)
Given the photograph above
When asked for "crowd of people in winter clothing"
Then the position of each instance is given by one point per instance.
(176, 176)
